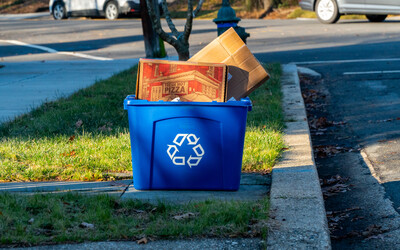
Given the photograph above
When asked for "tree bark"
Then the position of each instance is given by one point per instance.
(267, 4)
(151, 38)
(179, 40)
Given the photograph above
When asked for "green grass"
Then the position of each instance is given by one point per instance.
(86, 136)
(264, 137)
(299, 13)
(54, 218)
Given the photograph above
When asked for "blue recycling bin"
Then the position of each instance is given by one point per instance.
(187, 145)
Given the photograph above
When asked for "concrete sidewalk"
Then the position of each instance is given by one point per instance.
(297, 213)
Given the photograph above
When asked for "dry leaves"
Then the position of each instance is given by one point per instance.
(334, 185)
(323, 151)
(333, 180)
(143, 240)
(385, 120)
(335, 217)
(319, 123)
(371, 232)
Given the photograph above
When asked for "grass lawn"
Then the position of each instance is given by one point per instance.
(86, 136)
(71, 217)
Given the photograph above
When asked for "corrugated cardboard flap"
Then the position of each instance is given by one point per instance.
(247, 73)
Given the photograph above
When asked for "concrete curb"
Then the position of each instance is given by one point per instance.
(297, 212)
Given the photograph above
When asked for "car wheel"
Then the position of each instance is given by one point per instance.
(327, 11)
(111, 11)
(376, 18)
(59, 11)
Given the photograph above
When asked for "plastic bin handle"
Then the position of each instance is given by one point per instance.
(129, 97)
(247, 102)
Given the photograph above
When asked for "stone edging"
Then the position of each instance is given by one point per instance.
(297, 211)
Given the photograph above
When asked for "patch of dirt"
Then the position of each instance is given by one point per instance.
(281, 13)
(23, 6)
(250, 15)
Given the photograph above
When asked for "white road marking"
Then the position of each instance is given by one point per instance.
(373, 72)
(50, 50)
(349, 61)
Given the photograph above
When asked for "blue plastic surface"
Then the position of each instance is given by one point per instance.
(187, 145)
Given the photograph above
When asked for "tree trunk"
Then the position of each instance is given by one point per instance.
(267, 4)
(151, 38)
(183, 53)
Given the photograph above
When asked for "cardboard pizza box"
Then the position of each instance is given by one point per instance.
(190, 81)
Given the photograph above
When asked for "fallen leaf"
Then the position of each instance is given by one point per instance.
(339, 123)
(143, 240)
(337, 188)
(71, 154)
(372, 230)
(86, 225)
(357, 218)
(379, 236)
(333, 180)
(79, 123)
(184, 216)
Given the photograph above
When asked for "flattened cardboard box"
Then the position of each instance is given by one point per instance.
(190, 81)
(247, 73)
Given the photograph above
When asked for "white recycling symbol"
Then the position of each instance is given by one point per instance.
(192, 160)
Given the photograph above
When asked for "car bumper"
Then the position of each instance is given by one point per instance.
(306, 5)
(130, 7)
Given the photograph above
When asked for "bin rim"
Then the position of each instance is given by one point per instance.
(131, 100)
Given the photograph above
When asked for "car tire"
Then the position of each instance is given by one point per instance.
(376, 18)
(327, 11)
(111, 10)
(59, 11)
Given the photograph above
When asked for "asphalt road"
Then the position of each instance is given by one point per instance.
(270, 40)
(356, 150)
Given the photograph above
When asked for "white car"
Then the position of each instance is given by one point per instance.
(111, 9)
(329, 11)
